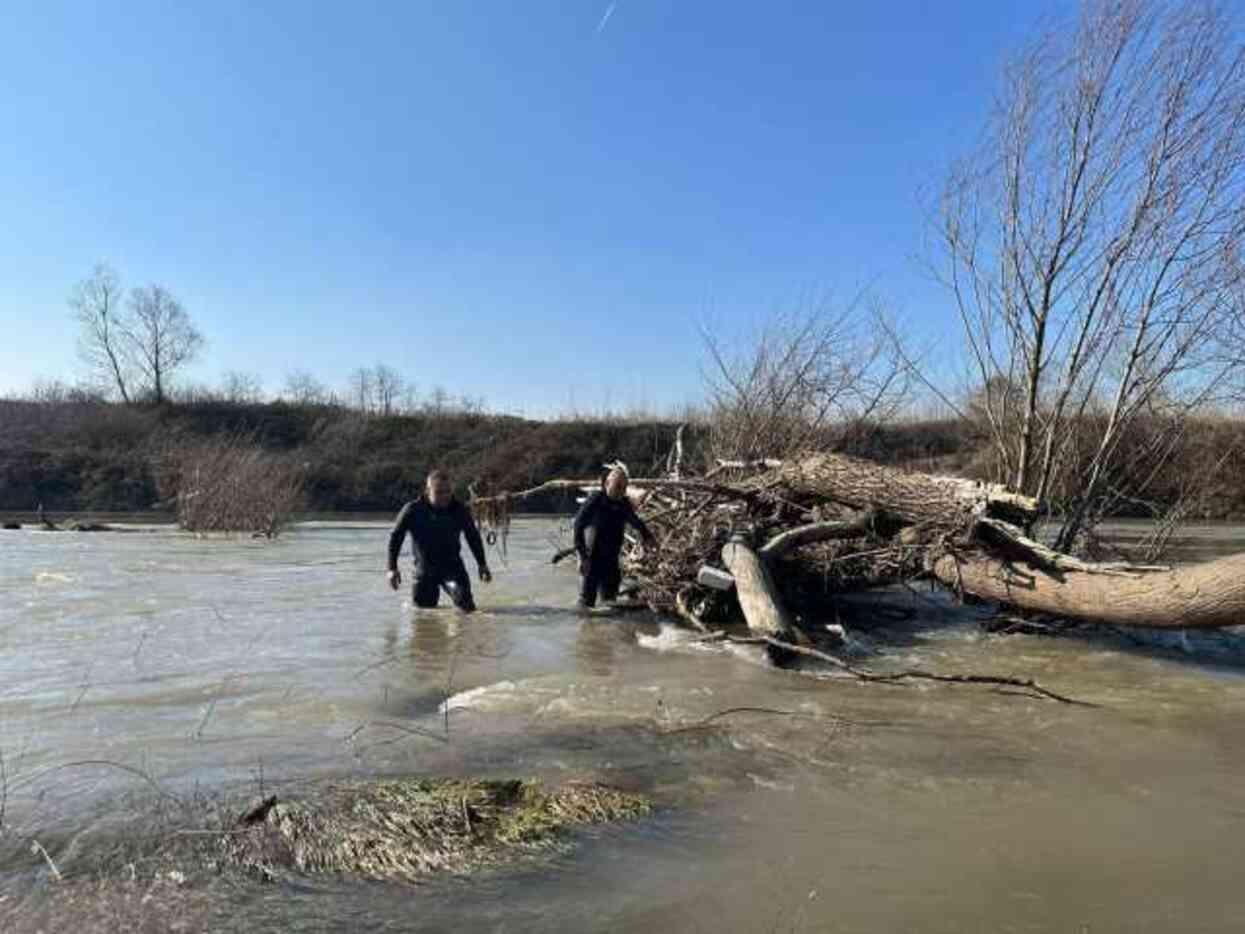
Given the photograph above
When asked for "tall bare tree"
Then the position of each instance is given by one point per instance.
(387, 388)
(302, 388)
(1093, 245)
(161, 338)
(240, 386)
(363, 389)
(102, 344)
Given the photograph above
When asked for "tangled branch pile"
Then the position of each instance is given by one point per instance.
(769, 541)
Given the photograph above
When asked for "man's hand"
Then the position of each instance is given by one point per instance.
(485, 574)
(394, 578)
(583, 567)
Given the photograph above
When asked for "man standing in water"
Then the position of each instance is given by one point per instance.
(606, 512)
(434, 522)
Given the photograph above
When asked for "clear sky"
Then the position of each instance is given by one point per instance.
(534, 202)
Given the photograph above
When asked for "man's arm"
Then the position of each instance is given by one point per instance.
(401, 526)
(472, 534)
(634, 519)
(583, 519)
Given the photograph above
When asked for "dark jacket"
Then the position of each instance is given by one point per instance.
(434, 534)
(606, 517)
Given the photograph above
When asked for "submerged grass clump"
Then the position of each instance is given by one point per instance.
(404, 829)
(166, 876)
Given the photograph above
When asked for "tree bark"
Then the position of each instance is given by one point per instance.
(1202, 596)
(906, 495)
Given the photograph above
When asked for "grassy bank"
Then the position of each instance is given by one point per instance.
(104, 457)
(77, 456)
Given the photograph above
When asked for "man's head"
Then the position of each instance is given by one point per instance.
(616, 483)
(438, 489)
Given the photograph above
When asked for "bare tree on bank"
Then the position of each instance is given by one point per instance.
(363, 389)
(387, 386)
(301, 388)
(161, 338)
(102, 341)
(1094, 247)
(239, 386)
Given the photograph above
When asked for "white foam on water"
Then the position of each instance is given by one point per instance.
(53, 577)
(769, 785)
(562, 706)
(476, 698)
(674, 639)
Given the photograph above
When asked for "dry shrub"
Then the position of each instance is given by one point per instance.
(232, 484)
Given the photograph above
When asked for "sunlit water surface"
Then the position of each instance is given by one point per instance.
(156, 663)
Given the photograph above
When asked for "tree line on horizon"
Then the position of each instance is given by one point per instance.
(135, 348)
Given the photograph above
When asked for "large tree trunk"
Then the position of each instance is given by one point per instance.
(906, 495)
(1203, 596)
(1004, 566)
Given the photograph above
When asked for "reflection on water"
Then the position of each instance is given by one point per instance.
(135, 670)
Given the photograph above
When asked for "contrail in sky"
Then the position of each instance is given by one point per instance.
(609, 11)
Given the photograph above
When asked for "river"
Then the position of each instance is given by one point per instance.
(139, 665)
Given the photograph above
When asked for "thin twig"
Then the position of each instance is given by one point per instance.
(37, 848)
(86, 684)
(912, 673)
(409, 730)
(80, 763)
(700, 724)
(138, 648)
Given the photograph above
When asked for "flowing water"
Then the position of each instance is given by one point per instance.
(138, 666)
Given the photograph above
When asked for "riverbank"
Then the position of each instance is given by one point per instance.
(96, 456)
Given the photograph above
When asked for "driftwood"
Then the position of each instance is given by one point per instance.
(784, 529)
(762, 606)
(1203, 596)
(814, 532)
(908, 496)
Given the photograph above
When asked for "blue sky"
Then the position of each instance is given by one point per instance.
(503, 199)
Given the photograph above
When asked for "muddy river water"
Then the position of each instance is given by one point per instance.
(150, 664)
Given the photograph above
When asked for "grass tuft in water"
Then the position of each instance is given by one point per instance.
(405, 829)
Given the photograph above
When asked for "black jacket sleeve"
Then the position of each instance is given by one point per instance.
(401, 526)
(583, 519)
(634, 519)
(472, 534)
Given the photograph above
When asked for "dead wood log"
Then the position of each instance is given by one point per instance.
(762, 605)
(780, 544)
(1005, 540)
(1202, 596)
(910, 496)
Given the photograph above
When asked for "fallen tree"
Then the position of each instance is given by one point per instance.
(1205, 596)
(766, 542)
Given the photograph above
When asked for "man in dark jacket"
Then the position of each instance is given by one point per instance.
(435, 521)
(605, 513)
